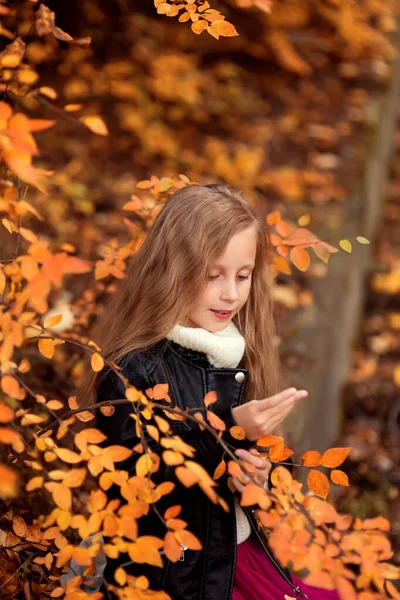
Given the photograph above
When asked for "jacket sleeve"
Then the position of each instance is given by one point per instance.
(120, 427)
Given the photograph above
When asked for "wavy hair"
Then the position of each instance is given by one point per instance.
(169, 271)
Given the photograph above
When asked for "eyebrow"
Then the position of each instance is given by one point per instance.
(241, 268)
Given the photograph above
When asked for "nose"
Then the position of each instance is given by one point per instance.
(229, 292)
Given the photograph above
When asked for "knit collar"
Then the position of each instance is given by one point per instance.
(224, 349)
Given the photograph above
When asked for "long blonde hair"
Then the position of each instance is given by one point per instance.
(169, 271)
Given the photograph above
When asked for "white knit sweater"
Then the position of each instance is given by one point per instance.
(224, 349)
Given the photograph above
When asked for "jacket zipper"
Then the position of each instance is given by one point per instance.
(295, 588)
(182, 556)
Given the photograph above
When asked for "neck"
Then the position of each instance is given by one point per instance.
(224, 349)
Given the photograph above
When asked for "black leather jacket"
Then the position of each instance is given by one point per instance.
(206, 574)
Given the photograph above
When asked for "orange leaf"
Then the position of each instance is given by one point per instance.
(215, 421)
(339, 477)
(283, 228)
(160, 391)
(318, 483)
(210, 398)
(6, 413)
(172, 547)
(107, 411)
(300, 258)
(269, 440)
(52, 321)
(252, 494)
(279, 453)
(8, 482)
(188, 539)
(234, 469)
(117, 453)
(237, 432)
(220, 470)
(10, 386)
(20, 528)
(199, 26)
(273, 217)
(46, 347)
(282, 265)
(312, 458)
(172, 512)
(61, 495)
(334, 457)
(97, 362)
(34, 483)
(172, 458)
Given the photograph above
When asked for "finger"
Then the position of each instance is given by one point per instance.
(276, 399)
(239, 486)
(249, 458)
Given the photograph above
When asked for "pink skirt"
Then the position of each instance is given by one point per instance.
(257, 579)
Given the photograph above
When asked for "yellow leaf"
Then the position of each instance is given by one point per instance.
(31, 419)
(226, 29)
(95, 124)
(57, 592)
(362, 240)
(68, 456)
(346, 245)
(55, 405)
(143, 465)
(46, 347)
(97, 362)
(304, 220)
(48, 91)
(52, 321)
(34, 483)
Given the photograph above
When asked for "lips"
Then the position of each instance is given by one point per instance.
(222, 314)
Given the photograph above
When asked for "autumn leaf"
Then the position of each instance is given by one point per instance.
(318, 483)
(6, 413)
(97, 362)
(346, 245)
(215, 421)
(300, 258)
(95, 124)
(237, 432)
(20, 528)
(46, 347)
(339, 477)
(220, 470)
(334, 457)
(311, 458)
(52, 321)
(68, 456)
(210, 398)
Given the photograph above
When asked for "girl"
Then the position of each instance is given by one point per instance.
(195, 311)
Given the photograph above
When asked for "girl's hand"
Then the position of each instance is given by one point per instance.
(261, 417)
(259, 468)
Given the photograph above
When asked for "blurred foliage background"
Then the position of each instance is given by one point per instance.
(300, 110)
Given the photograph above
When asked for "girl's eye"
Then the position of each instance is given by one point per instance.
(212, 277)
(243, 277)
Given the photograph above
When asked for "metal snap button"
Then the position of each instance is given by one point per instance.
(240, 377)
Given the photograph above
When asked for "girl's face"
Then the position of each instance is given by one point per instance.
(228, 286)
